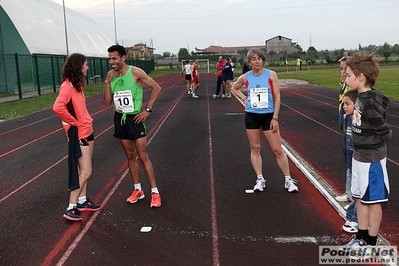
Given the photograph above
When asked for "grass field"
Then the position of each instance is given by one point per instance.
(387, 82)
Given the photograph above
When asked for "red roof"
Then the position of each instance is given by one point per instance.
(220, 49)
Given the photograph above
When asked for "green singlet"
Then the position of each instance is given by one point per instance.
(128, 95)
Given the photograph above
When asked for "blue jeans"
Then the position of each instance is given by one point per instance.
(351, 211)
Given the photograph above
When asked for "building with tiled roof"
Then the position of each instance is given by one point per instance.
(140, 51)
(278, 44)
(224, 50)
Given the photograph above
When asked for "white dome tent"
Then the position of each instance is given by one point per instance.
(40, 24)
(33, 45)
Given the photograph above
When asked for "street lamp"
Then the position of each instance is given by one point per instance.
(66, 31)
(116, 37)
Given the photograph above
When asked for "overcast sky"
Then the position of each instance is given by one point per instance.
(173, 24)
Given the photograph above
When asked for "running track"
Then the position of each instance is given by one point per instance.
(201, 157)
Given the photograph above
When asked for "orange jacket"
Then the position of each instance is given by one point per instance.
(70, 106)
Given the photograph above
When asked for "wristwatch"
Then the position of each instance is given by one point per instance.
(148, 109)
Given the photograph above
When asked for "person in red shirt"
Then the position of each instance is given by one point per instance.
(195, 77)
(70, 106)
(219, 67)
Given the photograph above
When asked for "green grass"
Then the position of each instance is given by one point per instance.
(387, 82)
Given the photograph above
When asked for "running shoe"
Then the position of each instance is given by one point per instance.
(136, 195)
(88, 206)
(72, 215)
(223, 96)
(155, 200)
(360, 250)
(228, 95)
(342, 198)
(350, 227)
(260, 184)
(194, 96)
(348, 246)
(290, 185)
(214, 96)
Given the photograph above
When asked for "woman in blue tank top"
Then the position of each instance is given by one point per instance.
(262, 107)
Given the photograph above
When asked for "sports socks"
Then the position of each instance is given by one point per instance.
(81, 199)
(71, 206)
(154, 190)
(363, 234)
(372, 240)
(137, 186)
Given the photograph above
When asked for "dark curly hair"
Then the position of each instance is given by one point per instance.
(73, 70)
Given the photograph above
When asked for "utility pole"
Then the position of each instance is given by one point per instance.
(66, 31)
(116, 37)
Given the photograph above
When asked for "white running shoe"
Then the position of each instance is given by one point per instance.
(350, 227)
(214, 96)
(260, 184)
(290, 185)
(342, 198)
(194, 96)
(361, 251)
(348, 246)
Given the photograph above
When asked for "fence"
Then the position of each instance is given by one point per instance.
(26, 73)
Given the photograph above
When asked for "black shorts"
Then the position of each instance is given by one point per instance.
(257, 121)
(188, 77)
(85, 141)
(128, 129)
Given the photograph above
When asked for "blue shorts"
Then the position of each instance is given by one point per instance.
(370, 181)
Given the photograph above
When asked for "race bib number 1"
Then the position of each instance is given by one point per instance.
(259, 98)
(123, 101)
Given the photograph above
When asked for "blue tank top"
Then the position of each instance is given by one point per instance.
(260, 93)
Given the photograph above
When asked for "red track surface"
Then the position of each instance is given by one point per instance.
(201, 157)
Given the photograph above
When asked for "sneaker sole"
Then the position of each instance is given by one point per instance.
(72, 219)
(131, 202)
(349, 230)
(155, 205)
(89, 209)
(293, 191)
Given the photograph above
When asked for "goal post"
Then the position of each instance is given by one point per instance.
(202, 64)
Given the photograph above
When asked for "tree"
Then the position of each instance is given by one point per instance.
(243, 54)
(183, 54)
(272, 53)
(300, 50)
(312, 53)
(166, 54)
(395, 49)
(386, 50)
(327, 57)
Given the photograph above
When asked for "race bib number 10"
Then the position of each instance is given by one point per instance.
(259, 98)
(123, 101)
